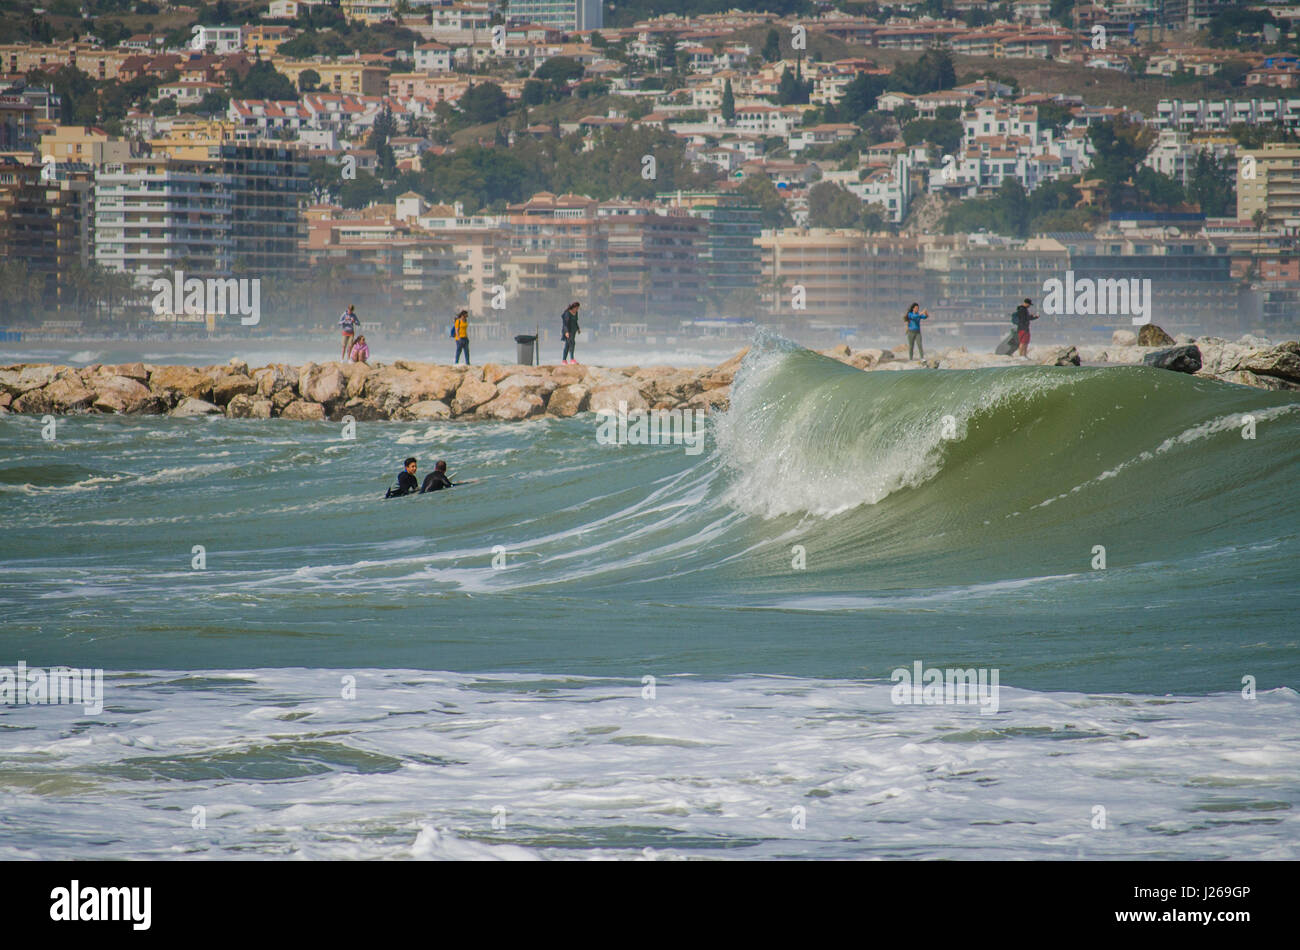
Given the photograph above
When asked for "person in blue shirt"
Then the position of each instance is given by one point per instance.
(348, 323)
(913, 319)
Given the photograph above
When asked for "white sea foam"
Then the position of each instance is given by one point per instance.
(511, 766)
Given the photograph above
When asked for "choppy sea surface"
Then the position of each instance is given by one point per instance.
(631, 651)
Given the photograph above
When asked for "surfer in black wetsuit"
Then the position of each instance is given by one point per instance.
(407, 483)
(437, 480)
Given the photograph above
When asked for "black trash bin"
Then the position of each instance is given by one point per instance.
(526, 349)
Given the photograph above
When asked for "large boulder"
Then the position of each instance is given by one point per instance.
(1062, 356)
(231, 385)
(182, 382)
(1218, 356)
(675, 386)
(189, 406)
(123, 394)
(711, 399)
(245, 406)
(303, 410)
(1123, 338)
(70, 394)
(137, 371)
(607, 398)
(512, 404)
(34, 401)
(23, 379)
(426, 410)
(563, 375)
(393, 387)
(275, 378)
(472, 394)
(1282, 361)
(724, 373)
(1246, 378)
(568, 400)
(538, 385)
(495, 372)
(323, 384)
(869, 357)
(362, 410)
(237, 366)
(282, 399)
(1151, 335)
(1180, 359)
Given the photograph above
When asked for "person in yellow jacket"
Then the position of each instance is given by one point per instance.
(462, 337)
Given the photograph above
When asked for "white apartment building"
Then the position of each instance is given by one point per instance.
(1191, 115)
(432, 58)
(569, 15)
(217, 39)
(154, 216)
(1175, 153)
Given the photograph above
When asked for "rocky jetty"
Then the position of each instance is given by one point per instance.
(407, 390)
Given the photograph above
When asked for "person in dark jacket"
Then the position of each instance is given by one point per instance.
(1022, 318)
(407, 483)
(569, 331)
(437, 480)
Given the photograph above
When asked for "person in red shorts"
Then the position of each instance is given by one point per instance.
(1021, 319)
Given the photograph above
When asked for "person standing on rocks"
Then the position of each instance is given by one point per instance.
(569, 331)
(1021, 319)
(348, 323)
(462, 337)
(913, 319)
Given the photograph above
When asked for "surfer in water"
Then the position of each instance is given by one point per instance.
(437, 480)
(407, 483)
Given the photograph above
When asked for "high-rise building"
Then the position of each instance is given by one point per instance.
(269, 189)
(154, 216)
(1268, 182)
(568, 15)
(654, 260)
(731, 259)
(813, 274)
(28, 233)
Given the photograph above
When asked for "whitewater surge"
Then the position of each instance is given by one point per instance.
(279, 764)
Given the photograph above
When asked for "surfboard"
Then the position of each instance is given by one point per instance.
(1009, 345)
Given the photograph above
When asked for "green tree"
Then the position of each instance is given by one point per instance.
(484, 103)
(760, 192)
(1118, 151)
(309, 80)
(792, 90)
(858, 99)
(931, 72)
(1212, 186)
(263, 82)
(561, 69)
(772, 47)
(945, 134)
(728, 103)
